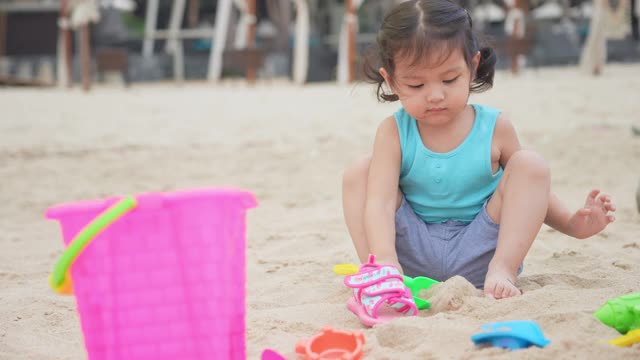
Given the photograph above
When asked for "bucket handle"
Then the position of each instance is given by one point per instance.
(60, 279)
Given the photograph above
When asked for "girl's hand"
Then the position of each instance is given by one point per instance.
(593, 217)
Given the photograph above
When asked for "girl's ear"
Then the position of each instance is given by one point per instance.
(385, 75)
(387, 79)
(475, 62)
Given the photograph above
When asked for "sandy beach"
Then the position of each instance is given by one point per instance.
(289, 145)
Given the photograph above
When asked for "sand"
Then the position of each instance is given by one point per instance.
(289, 146)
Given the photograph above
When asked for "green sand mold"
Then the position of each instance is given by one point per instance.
(416, 285)
(621, 313)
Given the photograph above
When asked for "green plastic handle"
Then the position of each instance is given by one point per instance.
(88, 233)
(416, 285)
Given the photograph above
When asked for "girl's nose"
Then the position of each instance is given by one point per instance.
(435, 95)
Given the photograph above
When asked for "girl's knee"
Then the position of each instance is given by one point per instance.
(356, 174)
(530, 162)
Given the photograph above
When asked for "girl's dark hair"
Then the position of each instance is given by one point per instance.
(421, 28)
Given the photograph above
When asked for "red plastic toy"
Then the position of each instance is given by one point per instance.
(332, 344)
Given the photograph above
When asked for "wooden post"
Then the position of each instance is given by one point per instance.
(85, 53)
(174, 40)
(68, 55)
(65, 36)
(193, 13)
(301, 46)
(150, 20)
(3, 33)
(351, 36)
(251, 39)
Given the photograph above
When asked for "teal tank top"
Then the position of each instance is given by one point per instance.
(452, 185)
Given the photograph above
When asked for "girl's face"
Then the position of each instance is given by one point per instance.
(433, 94)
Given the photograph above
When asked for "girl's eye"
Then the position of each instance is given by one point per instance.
(416, 86)
(450, 81)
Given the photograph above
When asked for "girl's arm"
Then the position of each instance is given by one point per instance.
(587, 221)
(382, 193)
(558, 215)
(505, 136)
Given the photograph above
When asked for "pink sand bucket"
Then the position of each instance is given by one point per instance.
(159, 275)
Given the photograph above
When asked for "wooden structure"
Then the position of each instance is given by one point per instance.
(347, 43)
(65, 48)
(175, 34)
(20, 7)
(113, 59)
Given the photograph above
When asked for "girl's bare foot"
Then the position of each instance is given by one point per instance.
(500, 283)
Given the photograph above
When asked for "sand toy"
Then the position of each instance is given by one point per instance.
(632, 337)
(621, 313)
(332, 344)
(165, 280)
(416, 284)
(511, 335)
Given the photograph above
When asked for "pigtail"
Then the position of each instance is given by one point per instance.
(486, 69)
(371, 70)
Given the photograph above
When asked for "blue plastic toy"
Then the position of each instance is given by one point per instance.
(512, 335)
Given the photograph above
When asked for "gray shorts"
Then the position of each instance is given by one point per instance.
(440, 251)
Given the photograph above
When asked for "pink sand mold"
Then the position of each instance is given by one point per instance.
(167, 280)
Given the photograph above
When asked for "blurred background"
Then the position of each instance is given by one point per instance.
(100, 98)
(48, 42)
